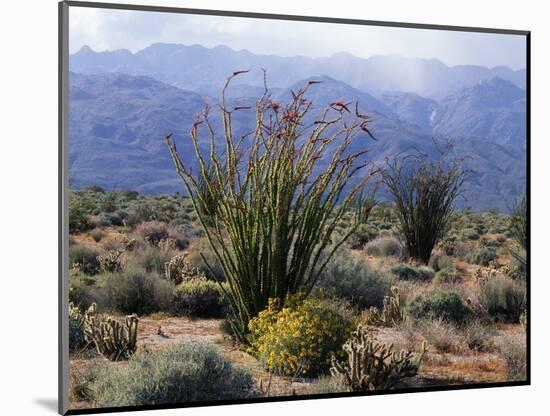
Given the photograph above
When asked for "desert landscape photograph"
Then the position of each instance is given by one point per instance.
(266, 208)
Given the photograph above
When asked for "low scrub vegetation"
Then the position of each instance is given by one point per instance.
(179, 374)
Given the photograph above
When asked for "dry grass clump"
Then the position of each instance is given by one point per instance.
(513, 348)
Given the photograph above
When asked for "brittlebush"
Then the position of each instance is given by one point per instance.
(298, 338)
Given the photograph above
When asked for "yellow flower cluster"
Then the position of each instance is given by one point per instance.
(299, 337)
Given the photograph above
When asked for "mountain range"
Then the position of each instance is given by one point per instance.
(122, 104)
(204, 70)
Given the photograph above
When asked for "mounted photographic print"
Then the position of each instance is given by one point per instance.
(265, 207)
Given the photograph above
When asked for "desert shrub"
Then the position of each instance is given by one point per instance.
(503, 298)
(114, 219)
(483, 256)
(151, 258)
(348, 277)
(76, 334)
(152, 231)
(447, 275)
(84, 258)
(97, 235)
(439, 261)
(201, 248)
(108, 202)
(155, 232)
(406, 272)
(178, 374)
(200, 297)
(441, 334)
(116, 242)
(489, 242)
(78, 216)
(299, 337)
(326, 385)
(478, 336)
(135, 290)
(443, 304)
(469, 234)
(81, 288)
(384, 246)
(513, 348)
(361, 236)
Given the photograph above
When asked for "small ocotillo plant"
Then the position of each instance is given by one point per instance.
(275, 212)
(518, 229)
(424, 193)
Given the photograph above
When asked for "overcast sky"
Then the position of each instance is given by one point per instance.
(103, 29)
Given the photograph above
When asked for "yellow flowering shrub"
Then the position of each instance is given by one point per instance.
(298, 337)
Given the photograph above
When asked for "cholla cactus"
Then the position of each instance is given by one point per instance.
(74, 312)
(391, 314)
(448, 246)
(276, 208)
(110, 261)
(372, 365)
(178, 270)
(113, 339)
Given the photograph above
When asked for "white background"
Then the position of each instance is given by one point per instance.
(28, 205)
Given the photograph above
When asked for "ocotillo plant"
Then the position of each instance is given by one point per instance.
(424, 193)
(275, 212)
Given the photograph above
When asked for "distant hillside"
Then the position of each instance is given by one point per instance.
(493, 110)
(118, 122)
(203, 70)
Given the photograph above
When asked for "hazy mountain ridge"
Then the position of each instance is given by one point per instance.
(118, 122)
(203, 70)
(492, 109)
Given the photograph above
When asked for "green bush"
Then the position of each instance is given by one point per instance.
(447, 275)
(81, 289)
(97, 235)
(469, 234)
(298, 338)
(76, 334)
(151, 258)
(483, 256)
(200, 297)
(347, 277)
(361, 236)
(406, 272)
(78, 216)
(443, 304)
(134, 290)
(84, 258)
(503, 298)
(179, 374)
(439, 262)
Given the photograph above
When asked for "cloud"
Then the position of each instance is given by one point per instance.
(103, 29)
